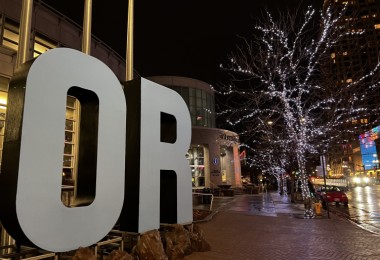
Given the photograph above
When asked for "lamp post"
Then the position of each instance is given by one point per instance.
(323, 159)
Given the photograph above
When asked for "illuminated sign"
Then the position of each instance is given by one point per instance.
(369, 136)
(132, 142)
(368, 148)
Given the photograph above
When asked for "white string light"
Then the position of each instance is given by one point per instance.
(279, 77)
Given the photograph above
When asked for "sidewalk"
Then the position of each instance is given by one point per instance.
(268, 226)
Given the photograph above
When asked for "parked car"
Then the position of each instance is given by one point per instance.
(332, 194)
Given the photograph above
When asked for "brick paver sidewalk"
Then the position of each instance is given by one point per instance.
(235, 234)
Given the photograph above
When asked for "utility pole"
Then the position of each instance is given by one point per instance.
(324, 178)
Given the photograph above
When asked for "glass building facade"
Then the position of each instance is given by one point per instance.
(200, 103)
(213, 153)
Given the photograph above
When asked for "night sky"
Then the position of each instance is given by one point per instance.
(179, 38)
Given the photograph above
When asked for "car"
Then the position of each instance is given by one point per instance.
(331, 194)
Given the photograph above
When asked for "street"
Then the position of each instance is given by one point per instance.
(363, 207)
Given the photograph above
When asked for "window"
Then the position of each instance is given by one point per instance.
(69, 169)
(42, 45)
(4, 82)
(11, 39)
(195, 156)
(11, 36)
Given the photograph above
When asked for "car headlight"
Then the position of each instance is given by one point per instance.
(366, 179)
(357, 180)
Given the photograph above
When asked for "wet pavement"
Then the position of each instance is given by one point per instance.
(363, 207)
(268, 226)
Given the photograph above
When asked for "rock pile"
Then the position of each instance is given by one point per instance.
(171, 242)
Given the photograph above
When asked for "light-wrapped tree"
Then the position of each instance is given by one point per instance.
(283, 97)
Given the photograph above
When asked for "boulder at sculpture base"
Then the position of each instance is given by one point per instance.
(150, 247)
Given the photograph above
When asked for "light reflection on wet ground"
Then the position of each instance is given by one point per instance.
(267, 204)
(256, 205)
(363, 207)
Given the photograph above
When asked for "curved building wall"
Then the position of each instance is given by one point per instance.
(214, 153)
(50, 29)
(198, 96)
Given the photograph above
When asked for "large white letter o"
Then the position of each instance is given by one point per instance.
(45, 221)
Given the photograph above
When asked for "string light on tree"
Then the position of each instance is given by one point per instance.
(282, 76)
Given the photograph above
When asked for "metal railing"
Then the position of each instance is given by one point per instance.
(203, 199)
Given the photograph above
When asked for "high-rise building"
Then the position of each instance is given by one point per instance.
(352, 57)
(356, 53)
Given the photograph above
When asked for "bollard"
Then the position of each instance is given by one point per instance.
(318, 206)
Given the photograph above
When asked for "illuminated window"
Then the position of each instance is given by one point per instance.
(42, 45)
(356, 30)
(69, 170)
(195, 157)
(345, 53)
(11, 39)
(354, 121)
(201, 105)
(348, 80)
(333, 55)
(377, 26)
(4, 82)
(11, 36)
(364, 120)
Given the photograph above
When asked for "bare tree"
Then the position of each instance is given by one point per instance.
(281, 88)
